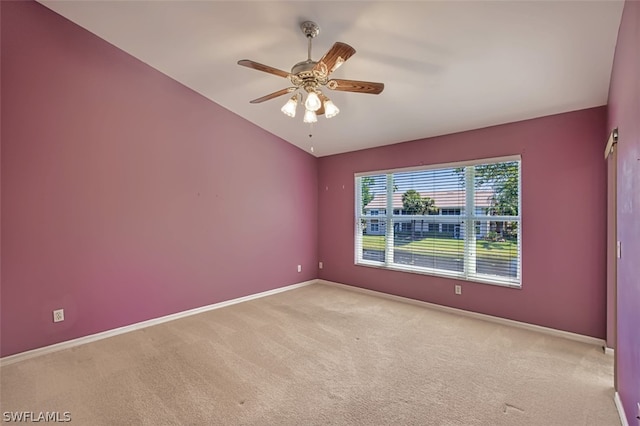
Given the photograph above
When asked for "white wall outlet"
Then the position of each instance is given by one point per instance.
(299, 268)
(458, 289)
(320, 265)
(58, 315)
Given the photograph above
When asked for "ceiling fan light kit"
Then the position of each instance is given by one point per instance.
(309, 76)
(330, 110)
(313, 102)
(310, 116)
(290, 107)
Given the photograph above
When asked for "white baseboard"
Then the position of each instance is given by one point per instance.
(485, 317)
(121, 330)
(609, 351)
(126, 329)
(620, 407)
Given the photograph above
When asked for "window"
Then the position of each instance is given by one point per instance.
(449, 227)
(450, 212)
(458, 220)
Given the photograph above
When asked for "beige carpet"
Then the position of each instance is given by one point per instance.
(320, 355)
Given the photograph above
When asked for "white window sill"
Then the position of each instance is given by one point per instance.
(443, 274)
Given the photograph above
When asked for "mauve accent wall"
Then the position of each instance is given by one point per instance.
(126, 196)
(563, 220)
(624, 113)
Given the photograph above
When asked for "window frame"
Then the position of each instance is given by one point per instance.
(469, 217)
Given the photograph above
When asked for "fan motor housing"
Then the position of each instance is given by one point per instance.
(304, 74)
(303, 67)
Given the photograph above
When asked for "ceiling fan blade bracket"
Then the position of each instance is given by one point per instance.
(321, 68)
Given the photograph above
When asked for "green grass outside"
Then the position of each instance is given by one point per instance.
(446, 247)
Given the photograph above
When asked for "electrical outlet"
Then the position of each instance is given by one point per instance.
(458, 289)
(58, 315)
(299, 268)
(320, 265)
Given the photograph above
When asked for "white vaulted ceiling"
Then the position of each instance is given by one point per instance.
(447, 66)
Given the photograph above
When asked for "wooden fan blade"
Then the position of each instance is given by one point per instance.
(273, 95)
(355, 86)
(264, 68)
(338, 53)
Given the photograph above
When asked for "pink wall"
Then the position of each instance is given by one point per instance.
(624, 113)
(564, 220)
(126, 196)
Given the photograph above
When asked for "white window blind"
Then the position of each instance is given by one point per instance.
(459, 220)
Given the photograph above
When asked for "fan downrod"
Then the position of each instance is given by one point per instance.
(310, 29)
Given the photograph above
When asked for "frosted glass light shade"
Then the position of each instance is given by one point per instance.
(313, 102)
(290, 107)
(310, 116)
(330, 110)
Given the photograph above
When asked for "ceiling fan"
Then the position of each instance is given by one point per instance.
(309, 76)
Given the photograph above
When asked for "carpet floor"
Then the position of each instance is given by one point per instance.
(320, 355)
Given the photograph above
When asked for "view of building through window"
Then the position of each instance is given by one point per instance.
(462, 220)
